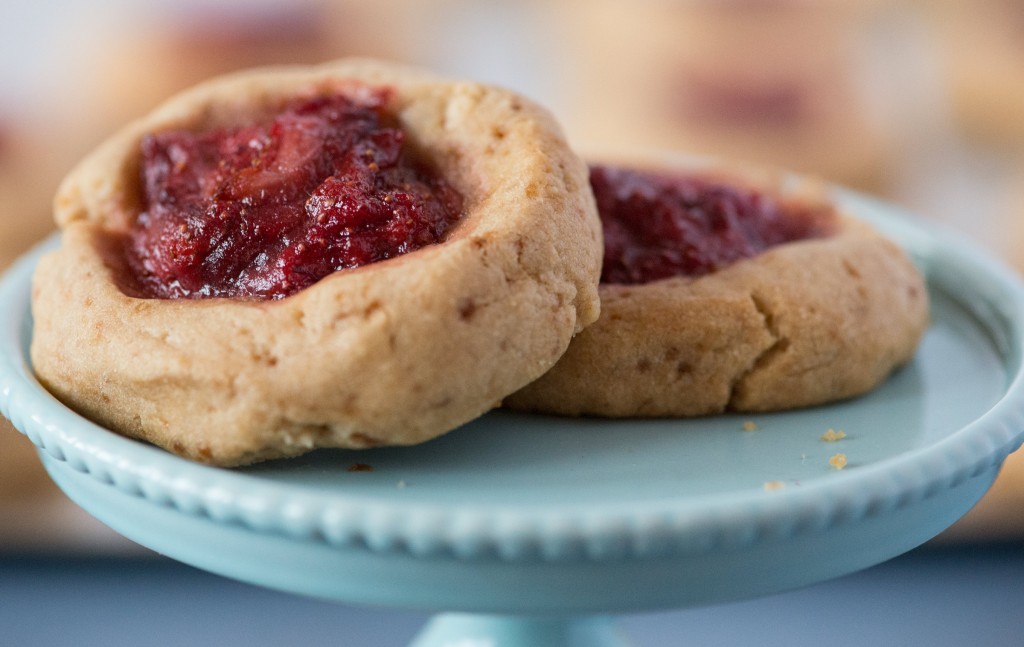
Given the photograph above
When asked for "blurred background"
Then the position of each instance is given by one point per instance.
(921, 103)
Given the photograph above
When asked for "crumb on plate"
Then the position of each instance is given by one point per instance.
(833, 435)
(838, 461)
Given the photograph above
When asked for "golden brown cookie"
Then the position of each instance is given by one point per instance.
(391, 353)
(802, 323)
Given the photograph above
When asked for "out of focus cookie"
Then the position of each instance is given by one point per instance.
(1013, 217)
(983, 56)
(169, 47)
(25, 194)
(786, 84)
(24, 220)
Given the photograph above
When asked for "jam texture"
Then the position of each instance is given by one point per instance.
(658, 225)
(265, 210)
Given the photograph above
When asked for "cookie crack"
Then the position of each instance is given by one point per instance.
(779, 345)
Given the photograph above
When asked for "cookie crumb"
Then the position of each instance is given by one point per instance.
(360, 467)
(772, 486)
(838, 461)
(832, 435)
(749, 425)
(401, 485)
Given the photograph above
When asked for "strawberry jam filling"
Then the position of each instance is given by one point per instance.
(265, 210)
(658, 226)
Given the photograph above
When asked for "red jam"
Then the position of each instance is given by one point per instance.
(266, 210)
(658, 226)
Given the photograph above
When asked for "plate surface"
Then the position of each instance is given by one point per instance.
(519, 513)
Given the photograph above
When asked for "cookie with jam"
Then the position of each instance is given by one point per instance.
(732, 291)
(350, 255)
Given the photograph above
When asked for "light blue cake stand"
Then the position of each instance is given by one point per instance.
(525, 530)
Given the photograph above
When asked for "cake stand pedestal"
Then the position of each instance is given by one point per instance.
(451, 629)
